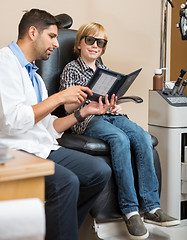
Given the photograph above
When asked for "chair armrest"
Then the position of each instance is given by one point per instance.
(84, 144)
(89, 145)
(154, 141)
(135, 99)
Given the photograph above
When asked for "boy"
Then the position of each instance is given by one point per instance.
(122, 136)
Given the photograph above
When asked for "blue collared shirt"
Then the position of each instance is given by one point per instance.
(31, 68)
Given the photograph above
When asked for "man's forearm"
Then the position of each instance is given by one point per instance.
(45, 107)
(71, 107)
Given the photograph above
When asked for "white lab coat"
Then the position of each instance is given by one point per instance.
(17, 95)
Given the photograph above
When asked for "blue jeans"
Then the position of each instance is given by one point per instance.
(123, 136)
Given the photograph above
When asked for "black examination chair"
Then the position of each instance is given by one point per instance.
(106, 207)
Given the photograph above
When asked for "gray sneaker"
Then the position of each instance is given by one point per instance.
(160, 218)
(136, 227)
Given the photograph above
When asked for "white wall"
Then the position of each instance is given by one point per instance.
(134, 36)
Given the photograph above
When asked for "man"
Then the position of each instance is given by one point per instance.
(26, 124)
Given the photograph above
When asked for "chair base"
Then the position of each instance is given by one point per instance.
(93, 229)
(88, 229)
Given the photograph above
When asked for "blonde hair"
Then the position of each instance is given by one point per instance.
(92, 29)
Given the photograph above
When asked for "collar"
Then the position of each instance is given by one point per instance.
(20, 56)
(84, 66)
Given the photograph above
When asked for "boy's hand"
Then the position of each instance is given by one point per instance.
(99, 108)
(116, 109)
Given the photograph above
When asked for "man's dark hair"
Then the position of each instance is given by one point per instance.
(40, 19)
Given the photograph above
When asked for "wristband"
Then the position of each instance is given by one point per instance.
(78, 116)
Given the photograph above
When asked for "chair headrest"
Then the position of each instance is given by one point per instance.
(65, 20)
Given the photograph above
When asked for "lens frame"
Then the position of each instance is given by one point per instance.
(101, 43)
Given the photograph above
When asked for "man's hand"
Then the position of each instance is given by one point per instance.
(74, 94)
(99, 108)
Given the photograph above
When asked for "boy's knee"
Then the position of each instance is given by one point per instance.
(146, 139)
(121, 141)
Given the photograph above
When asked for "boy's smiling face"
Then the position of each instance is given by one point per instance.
(89, 53)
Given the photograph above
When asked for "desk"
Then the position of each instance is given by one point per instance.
(23, 176)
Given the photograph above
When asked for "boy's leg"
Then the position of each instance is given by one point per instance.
(141, 145)
(100, 127)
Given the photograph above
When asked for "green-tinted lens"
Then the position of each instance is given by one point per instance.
(89, 40)
(101, 43)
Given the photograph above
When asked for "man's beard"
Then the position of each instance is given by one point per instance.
(44, 56)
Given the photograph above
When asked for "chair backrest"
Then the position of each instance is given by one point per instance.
(51, 69)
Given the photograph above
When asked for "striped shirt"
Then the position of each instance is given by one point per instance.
(78, 73)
